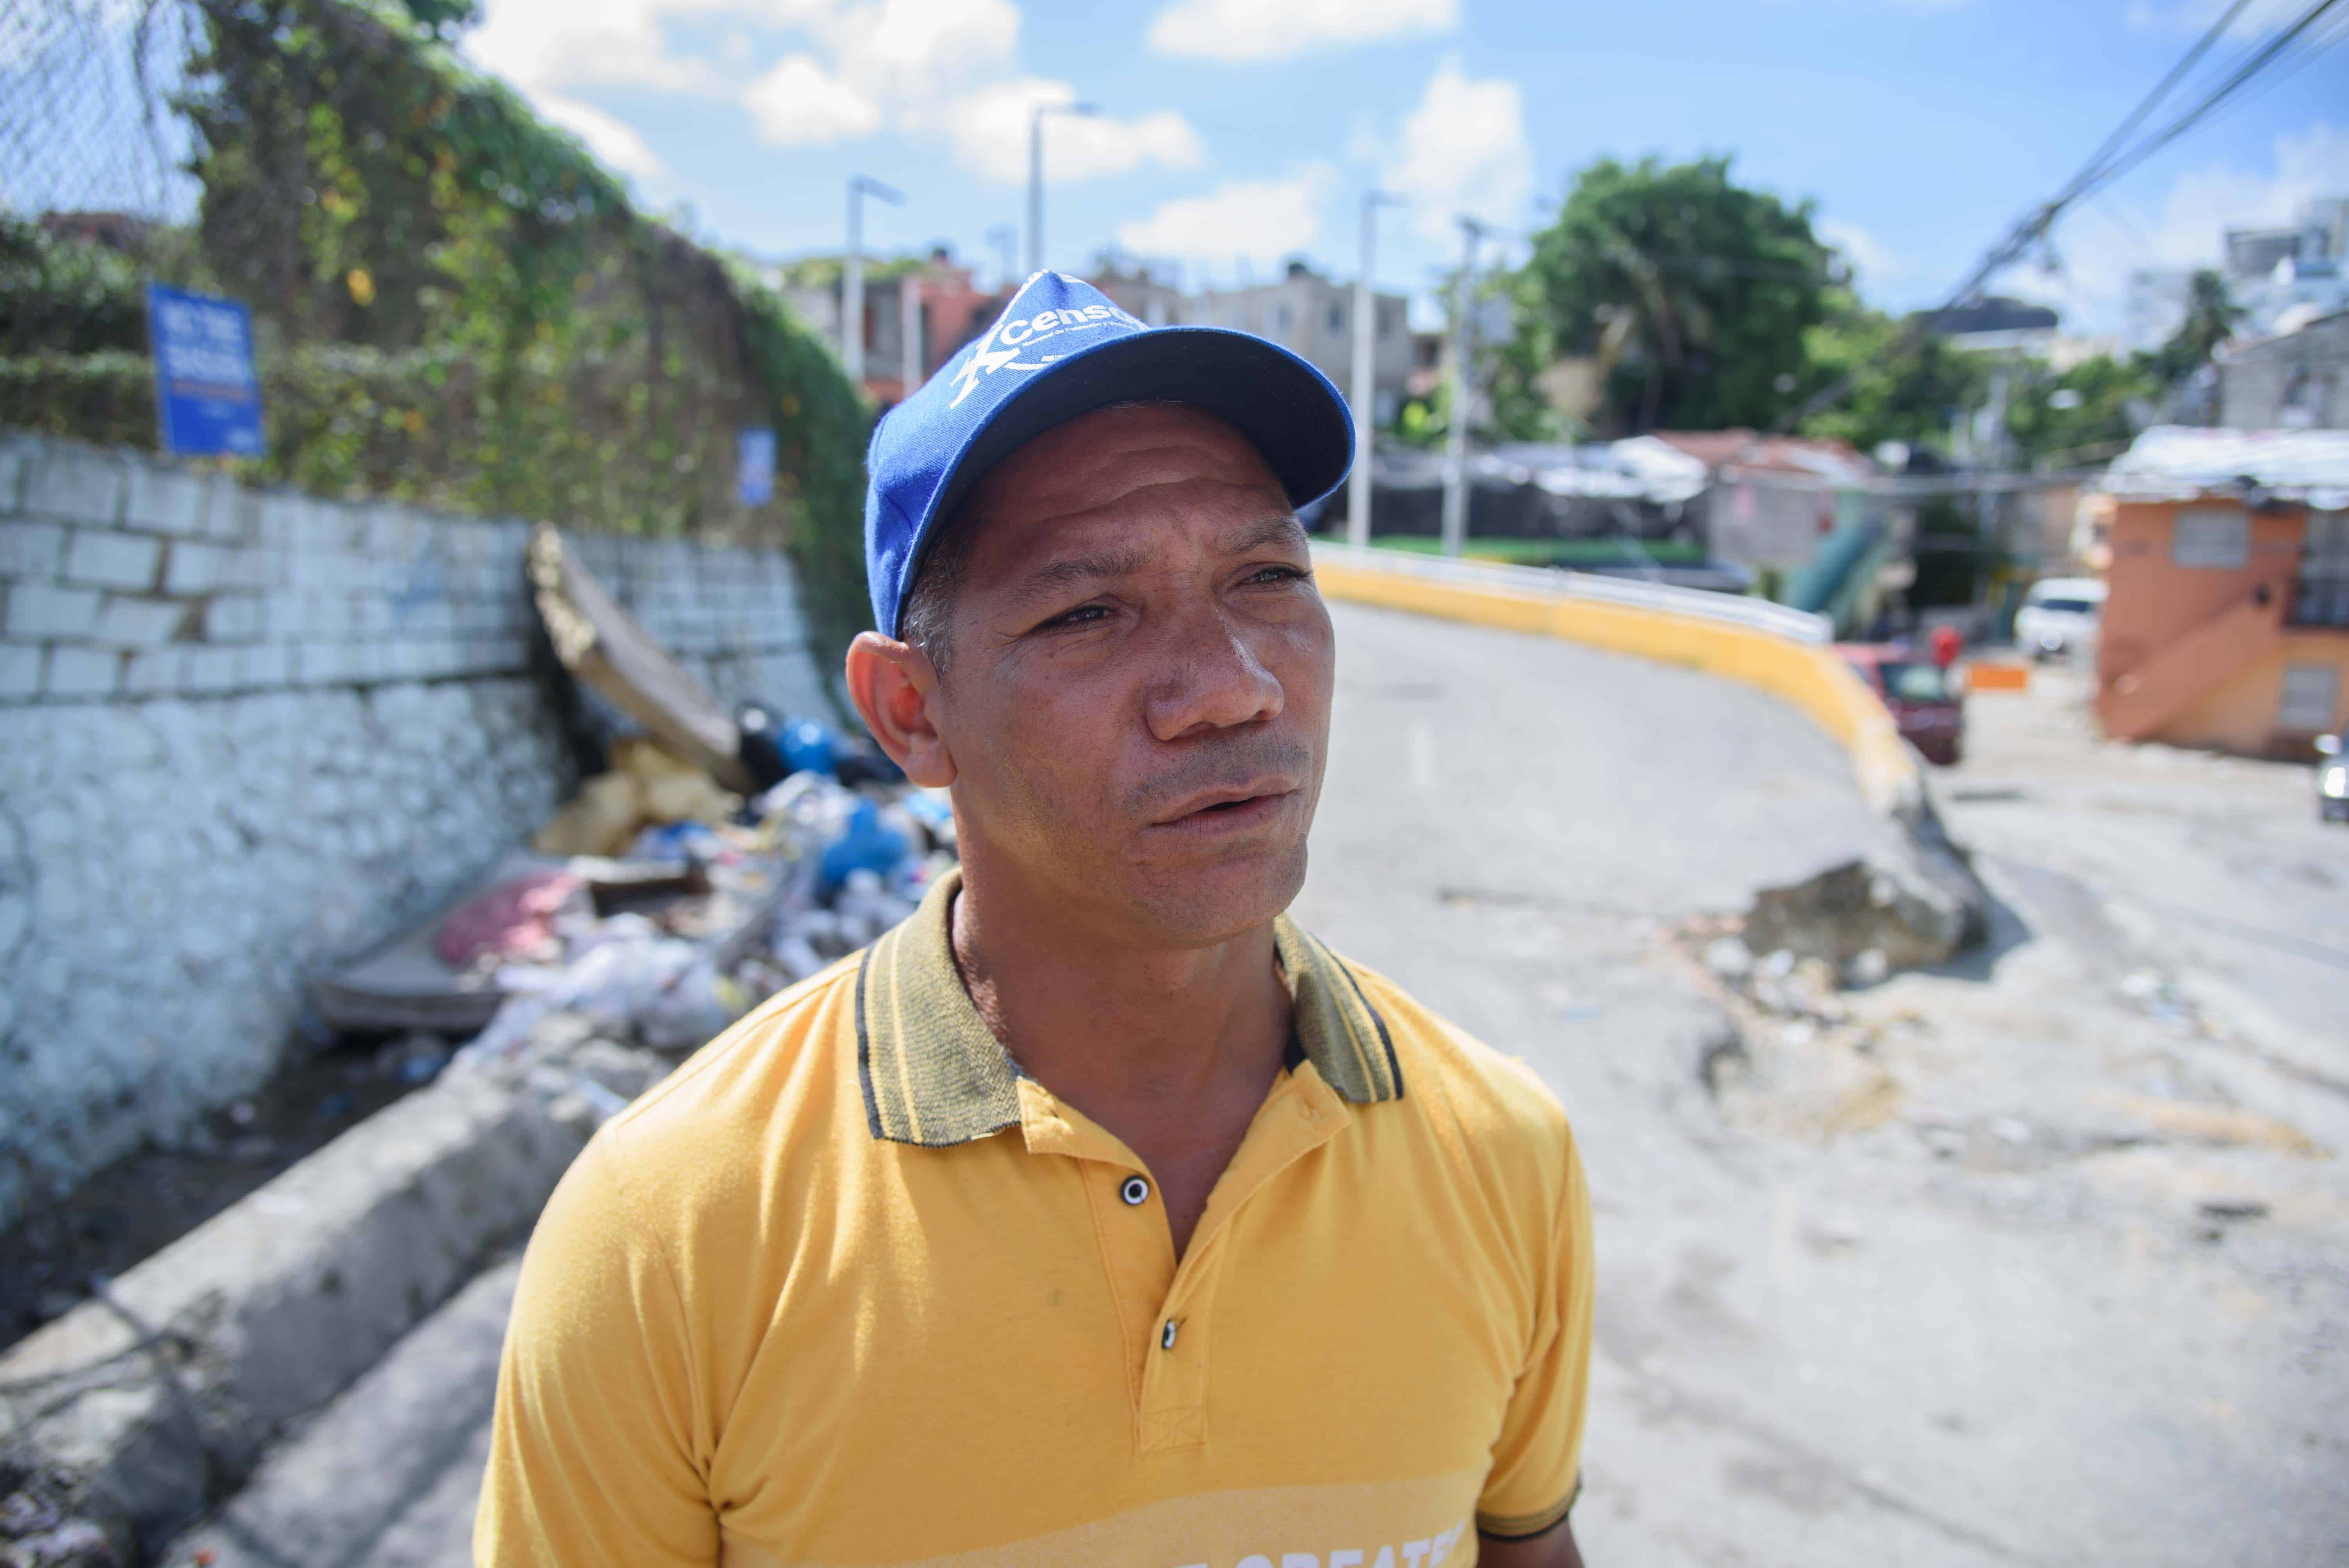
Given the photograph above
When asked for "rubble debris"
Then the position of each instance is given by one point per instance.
(647, 785)
(601, 645)
(47, 1521)
(818, 870)
(514, 920)
(1864, 905)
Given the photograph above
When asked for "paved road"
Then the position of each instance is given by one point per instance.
(1975, 1325)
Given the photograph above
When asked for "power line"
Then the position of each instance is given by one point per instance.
(2104, 166)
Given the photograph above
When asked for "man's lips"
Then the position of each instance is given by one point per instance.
(1231, 805)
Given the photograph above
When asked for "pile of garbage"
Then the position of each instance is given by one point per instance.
(695, 922)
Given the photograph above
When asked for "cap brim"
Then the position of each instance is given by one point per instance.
(1287, 408)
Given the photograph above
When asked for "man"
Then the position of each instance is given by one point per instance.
(1097, 1215)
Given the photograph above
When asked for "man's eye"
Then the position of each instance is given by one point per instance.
(1082, 615)
(1276, 574)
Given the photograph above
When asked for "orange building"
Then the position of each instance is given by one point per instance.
(2226, 622)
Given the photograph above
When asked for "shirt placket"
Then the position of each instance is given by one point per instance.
(1166, 1310)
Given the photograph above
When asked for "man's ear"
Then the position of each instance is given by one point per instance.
(895, 687)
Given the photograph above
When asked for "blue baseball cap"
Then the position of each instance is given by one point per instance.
(1062, 349)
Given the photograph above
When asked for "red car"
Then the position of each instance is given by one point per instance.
(1923, 699)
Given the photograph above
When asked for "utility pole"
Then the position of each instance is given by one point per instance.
(1455, 438)
(1358, 483)
(1005, 238)
(1036, 175)
(851, 280)
(909, 331)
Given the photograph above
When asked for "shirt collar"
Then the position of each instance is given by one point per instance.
(934, 1075)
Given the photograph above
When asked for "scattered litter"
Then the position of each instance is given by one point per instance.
(1728, 958)
(670, 948)
(514, 920)
(414, 1058)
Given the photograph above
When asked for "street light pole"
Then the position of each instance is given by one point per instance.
(1005, 238)
(909, 331)
(852, 281)
(1036, 176)
(1358, 483)
(1455, 438)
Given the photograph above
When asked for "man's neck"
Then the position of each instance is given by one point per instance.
(1172, 1050)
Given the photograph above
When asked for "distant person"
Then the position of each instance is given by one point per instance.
(1097, 1215)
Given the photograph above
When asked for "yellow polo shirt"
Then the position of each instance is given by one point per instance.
(849, 1289)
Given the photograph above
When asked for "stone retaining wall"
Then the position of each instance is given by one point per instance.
(243, 734)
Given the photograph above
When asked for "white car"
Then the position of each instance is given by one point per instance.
(2331, 779)
(2059, 616)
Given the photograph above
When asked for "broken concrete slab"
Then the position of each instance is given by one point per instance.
(1910, 906)
(370, 1467)
(156, 1396)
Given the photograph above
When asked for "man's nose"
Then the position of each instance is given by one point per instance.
(1211, 679)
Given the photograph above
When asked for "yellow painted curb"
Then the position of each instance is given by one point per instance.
(1814, 679)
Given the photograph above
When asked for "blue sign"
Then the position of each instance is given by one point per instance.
(754, 467)
(206, 393)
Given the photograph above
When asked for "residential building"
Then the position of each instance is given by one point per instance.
(2293, 381)
(951, 311)
(1314, 316)
(1771, 499)
(2226, 620)
(1997, 324)
(2285, 277)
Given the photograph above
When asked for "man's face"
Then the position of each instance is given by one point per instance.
(1137, 699)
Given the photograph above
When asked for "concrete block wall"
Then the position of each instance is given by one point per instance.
(244, 734)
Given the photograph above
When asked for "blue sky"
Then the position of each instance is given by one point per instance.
(1235, 132)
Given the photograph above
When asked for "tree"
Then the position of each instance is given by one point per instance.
(1694, 294)
(2088, 413)
(1909, 395)
(2211, 318)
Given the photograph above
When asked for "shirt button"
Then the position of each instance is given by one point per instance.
(1135, 1192)
(1166, 1335)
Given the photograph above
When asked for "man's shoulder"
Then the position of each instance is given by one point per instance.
(1495, 1101)
(776, 1069)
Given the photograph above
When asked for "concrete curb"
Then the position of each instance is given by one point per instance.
(157, 1397)
(1813, 678)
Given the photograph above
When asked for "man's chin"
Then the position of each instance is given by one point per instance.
(1196, 902)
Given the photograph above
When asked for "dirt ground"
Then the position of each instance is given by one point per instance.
(147, 1200)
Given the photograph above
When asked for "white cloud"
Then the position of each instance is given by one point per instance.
(609, 139)
(2102, 244)
(930, 67)
(1874, 261)
(1464, 150)
(1270, 29)
(1262, 219)
(800, 102)
(906, 50)
(539, 45)
(989, 129)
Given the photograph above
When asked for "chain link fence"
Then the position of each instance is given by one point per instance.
(453, 303)
(87, 121)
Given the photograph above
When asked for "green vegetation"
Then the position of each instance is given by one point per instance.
(454, 304)
(1690, 292)
(1704, 304)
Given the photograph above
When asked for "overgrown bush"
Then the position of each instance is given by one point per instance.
(454, 304)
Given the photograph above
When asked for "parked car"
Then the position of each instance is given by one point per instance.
(2059, 615)
(2331, 779)
(1923, 699)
